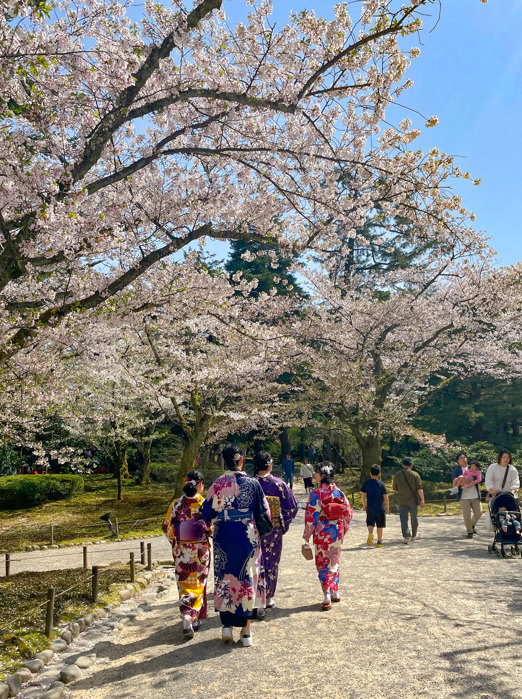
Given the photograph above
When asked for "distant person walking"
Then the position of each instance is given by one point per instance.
(376, 504)
(327, 518)
(503, 475)
(466, 478)
(307, 474)
(287, 466)
(312, 453)
(408, 486)
(283, 509)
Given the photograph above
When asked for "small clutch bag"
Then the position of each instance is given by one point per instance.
(307, 552)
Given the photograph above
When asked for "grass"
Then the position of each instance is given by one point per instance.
(22, 608)
(72, 518)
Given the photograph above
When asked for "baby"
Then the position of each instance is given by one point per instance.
(505, 519)
(471, 476)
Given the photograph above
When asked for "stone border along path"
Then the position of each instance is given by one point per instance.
(438, 618)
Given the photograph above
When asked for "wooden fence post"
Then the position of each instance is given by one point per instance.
(7, 565)
(52, 534)
(49, 615)
(445, 503)
(116, 527)
(85, 559)
(95, 583)
(142, 553)
(149, 556)
(132, 567)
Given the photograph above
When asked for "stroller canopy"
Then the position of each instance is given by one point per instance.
(504, 499)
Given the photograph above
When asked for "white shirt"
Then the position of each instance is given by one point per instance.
(307, 471)
(495, 475)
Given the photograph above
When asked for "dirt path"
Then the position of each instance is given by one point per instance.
(438, 618)
(98, 554)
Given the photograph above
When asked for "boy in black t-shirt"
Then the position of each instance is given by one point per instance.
(376, 504)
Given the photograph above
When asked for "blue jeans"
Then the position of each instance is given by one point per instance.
(404, 510)
(289, 479)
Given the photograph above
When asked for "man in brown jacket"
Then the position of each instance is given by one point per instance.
(408, 486)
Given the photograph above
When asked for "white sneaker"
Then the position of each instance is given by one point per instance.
(270, 603)
(246, 640)
(406, 540)
(226, 634)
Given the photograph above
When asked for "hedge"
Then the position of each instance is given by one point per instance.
(17, 492)
(163, 473)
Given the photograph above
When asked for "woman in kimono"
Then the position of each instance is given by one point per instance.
(189, 536)
(327, 517)
(235, 501)
(283, 508)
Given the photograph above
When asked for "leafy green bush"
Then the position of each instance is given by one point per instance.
(10, 459)
(27, 491)
(163, 473)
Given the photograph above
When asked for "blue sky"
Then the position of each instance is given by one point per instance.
(469, 74)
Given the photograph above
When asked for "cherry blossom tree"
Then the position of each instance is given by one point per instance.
(377, 348)
(123, 141)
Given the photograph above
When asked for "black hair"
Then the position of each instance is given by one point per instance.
(262, 461)
(195, 475)
(501, 453)
(326, 471)
(461, 453)
(375, 470)
(477, 463)
(230, 454)
(407, 462)
(190, 489)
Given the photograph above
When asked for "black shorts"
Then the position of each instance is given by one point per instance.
(308, 483)
(376, 519)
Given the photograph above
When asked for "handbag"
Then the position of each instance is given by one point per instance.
(415, 495)
(190, 530)
(263, 524)
(307, 552)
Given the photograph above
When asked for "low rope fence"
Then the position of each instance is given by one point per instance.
(144, 556)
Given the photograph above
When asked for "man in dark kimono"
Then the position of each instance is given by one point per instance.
(283, 508)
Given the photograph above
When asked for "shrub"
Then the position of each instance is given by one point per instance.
(163, 473)
(28, 491)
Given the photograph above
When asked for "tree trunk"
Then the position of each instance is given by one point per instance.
(371, 449)
(194, 440)
(122, 467)
(285, 442)
(144, 448)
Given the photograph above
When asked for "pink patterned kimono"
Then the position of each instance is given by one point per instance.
(327, 534)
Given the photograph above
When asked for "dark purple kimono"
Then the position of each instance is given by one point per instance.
(272, 544)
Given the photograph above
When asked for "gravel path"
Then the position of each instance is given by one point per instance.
(98, 554)
(439, 618)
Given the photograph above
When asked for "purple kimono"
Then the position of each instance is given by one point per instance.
(272, 544)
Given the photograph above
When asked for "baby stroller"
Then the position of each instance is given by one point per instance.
(503, 509)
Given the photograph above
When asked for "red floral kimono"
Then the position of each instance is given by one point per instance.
(327, 533)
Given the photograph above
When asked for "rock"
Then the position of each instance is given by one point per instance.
(82, 624)
(45, 655)
(89, 619)
(67, 636)
(126, 594)
(24, 674)
(14, 685)
(58, 645)
(53, 693)
(35, 665)
(32, 693)
(162, 588)
(85, 661)
(43, 548)
(102, 614)
(74, 628)
(122, 621)
(70, 673)
(53, 546)
(4, 691)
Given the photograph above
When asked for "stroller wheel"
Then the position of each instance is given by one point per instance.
(490, 548)
(503, 553)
